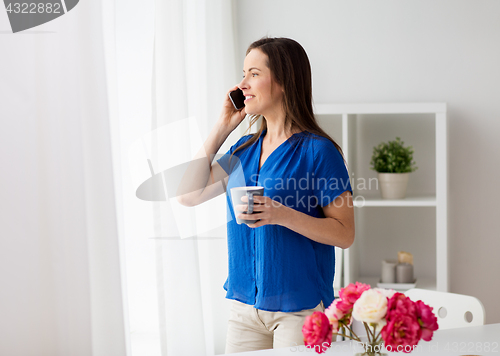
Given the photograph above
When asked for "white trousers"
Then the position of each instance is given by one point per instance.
(252, 329)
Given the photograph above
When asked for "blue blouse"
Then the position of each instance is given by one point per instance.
(273, 267)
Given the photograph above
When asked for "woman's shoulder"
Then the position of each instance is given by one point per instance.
(317, 141)
(320, 147)
(242, 140)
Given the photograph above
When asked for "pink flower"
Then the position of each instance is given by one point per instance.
(401, 304)
(344, 307)
(334, 315)
(333, 321)
(426, 319)
(339, 312)
(352, 292)
(401, 333)
(317, 332)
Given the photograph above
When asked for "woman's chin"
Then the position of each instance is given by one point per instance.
(249, 111)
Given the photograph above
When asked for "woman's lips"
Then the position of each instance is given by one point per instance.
(249, 97)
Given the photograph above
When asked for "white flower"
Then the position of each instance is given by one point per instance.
(371, 307)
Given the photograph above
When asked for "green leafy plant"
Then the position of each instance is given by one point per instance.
(393, 157)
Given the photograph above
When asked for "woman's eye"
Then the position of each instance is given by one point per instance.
(254, 74)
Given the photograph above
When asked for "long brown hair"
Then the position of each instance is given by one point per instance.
(290, 68)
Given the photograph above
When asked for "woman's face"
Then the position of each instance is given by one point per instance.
(263, 94)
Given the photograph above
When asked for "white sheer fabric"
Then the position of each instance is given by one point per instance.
(194, 66)
(59, 251)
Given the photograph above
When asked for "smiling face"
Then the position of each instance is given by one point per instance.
(263, 95)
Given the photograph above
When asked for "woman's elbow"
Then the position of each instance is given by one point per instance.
(348, 238)
(185, 200)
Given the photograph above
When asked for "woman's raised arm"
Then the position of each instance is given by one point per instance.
(197, 184)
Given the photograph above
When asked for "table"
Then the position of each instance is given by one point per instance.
(474, 340)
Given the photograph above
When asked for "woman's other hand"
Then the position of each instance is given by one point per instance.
(266, 210)
(336, 228)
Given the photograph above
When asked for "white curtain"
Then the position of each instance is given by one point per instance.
(61, 289)
(194, 66)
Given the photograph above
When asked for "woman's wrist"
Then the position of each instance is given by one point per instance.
(220, 132)
(286, 216)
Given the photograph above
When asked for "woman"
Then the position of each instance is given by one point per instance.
(281, 268)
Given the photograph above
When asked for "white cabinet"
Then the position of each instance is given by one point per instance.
(418, 223)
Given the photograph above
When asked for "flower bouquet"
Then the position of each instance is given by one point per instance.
(392, 320)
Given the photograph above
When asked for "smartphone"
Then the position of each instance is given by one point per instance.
(237, 98)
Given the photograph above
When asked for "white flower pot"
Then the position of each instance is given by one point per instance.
(393, 185)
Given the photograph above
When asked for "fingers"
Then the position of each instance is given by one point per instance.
(256, 198)
(229, 91)
(258, 208)
(262, 201)
(262, 206)
(226, 99)
(257, 224)
(232, 89)
(254, 216)
(241, 207)
(261, 220)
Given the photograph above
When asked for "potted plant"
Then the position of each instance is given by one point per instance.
(394, 163)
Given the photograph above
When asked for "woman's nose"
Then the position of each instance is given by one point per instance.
(243, 84)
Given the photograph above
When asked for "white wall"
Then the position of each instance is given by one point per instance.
(427, 51)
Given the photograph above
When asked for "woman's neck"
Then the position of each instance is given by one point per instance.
(277, 133)
(276, 130)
